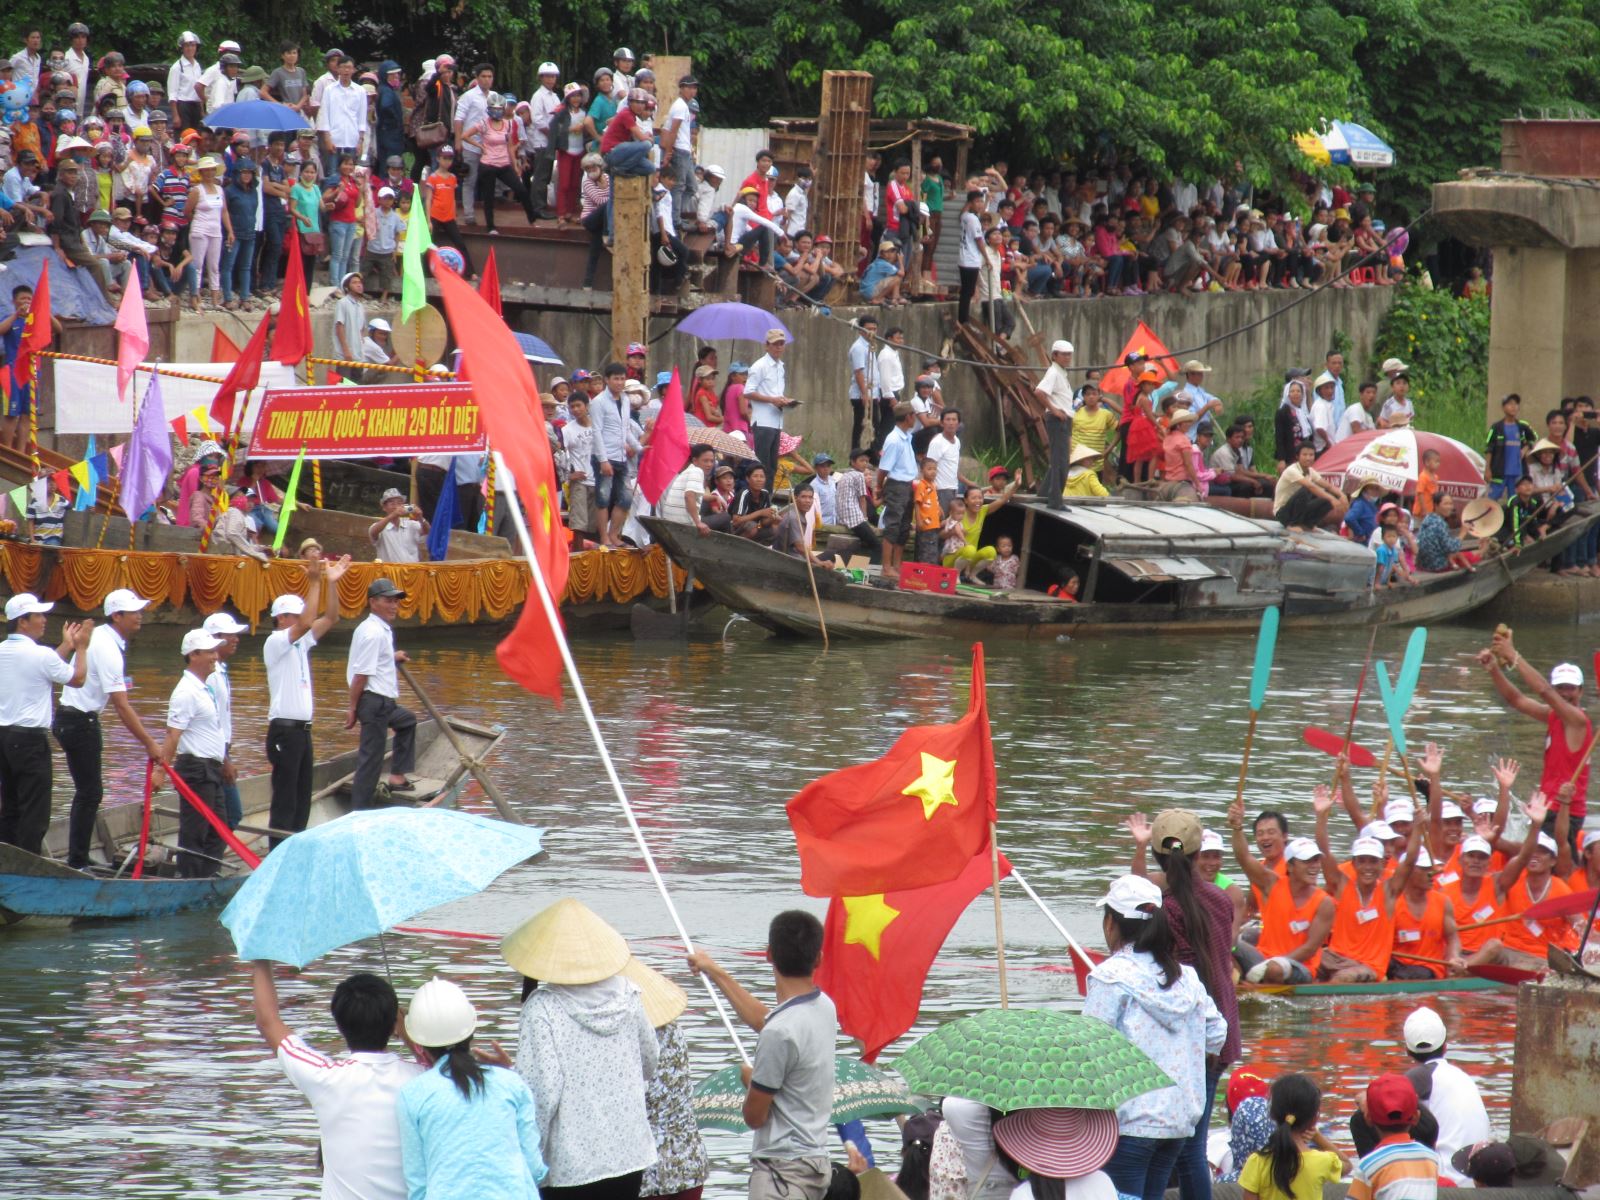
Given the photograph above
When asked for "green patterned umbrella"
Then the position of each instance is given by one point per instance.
(858, 1091)
(1027, 1058)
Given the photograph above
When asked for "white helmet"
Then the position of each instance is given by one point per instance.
(440, 1015)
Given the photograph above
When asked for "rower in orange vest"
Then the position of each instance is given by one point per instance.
(1425, 933)
(1296, 914)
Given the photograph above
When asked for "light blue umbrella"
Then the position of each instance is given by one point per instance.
(1353, 145)
(354, 877)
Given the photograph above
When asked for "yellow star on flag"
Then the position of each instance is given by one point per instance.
(936, 785)
(866, 917)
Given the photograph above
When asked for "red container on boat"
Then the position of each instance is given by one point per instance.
(925, 577)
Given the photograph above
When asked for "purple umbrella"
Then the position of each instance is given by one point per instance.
(732, 321)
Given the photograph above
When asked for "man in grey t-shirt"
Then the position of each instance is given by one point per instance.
(790, 1099)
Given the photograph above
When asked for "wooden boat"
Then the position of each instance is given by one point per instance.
(37, 889)
(1141, 566)
(1380, 987)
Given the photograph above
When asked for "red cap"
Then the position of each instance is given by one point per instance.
(1391, 1100)
(1244, 1083)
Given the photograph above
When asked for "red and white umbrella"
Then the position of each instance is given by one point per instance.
(1393, 458)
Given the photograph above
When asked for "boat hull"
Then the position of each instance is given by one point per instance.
(1379, 987)
(28, 889)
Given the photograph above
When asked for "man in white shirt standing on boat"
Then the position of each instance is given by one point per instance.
(29, 670)
(226, 630)
(196, 747)
(77, 721)
(375, 697)
(765, 388)
(298, 625)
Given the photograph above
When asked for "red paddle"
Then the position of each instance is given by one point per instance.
(1502, 974)
(1333, 745)
(1569, 905)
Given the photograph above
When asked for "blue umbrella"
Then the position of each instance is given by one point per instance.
(732, 321)
(354, 877)
(257, 115)
(535, 349)
(1353, 145)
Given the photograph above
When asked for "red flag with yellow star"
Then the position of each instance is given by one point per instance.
(912, 819)
(876, 951)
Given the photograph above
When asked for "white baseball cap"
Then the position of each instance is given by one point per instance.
(1565, 673)
(380, 324)
(1424, 1031)
(1424, 859)
(1485, 806)
(288, 603)
(1474, 844)
(1381, 830)
(1129, 897)
(199, 639)
(1302, 849)
(385, 191)
(1061, 346)
(1210, 840)
(219, 623)
(1366, 847)
(1546, 842)
(391, 494)
(25, 604)
(1399, 810)
(1451, 811)
(123, 600)
(440, 1015)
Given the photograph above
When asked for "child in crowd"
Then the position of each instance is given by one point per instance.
(929, 516)
(1004, 570)
(378, 260)
(1427, 485)
(1391, 569)
(171, 269)
(1289, 1167)
(1398, 1166)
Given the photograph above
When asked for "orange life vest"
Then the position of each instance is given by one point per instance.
(1281, 870)
(1364, 932)
(1284, 924)
(1422, 935)
(1482, 907)
(1536, 937)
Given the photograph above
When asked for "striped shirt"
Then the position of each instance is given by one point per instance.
(849, 498)
(1396, 1170)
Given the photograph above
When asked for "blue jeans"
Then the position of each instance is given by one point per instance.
(186, 285)
(341, 250)
(1142, 1166)
(273, 235)
(1194, 1169)
(264, 519)
(630, 158)
(238, 264)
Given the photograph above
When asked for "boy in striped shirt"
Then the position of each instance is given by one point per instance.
(1398, 1168)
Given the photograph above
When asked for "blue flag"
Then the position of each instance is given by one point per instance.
(444, 516)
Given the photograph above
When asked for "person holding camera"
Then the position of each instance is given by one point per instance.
(401, 533)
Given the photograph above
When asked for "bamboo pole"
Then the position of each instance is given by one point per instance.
(999, 922)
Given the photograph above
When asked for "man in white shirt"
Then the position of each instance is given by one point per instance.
(891, 382)
(472, 108)
(945, 449)
(1323, 424)
(863, 376)
(400, 533)
(196, 747)
(1200, 402)
(223, 87)
(544, 104)
(677, 147)
(342, 119)
(1334, 365)
(707, 180)
(969, 253)
(77, 720)
(323, 82)
(375, 698)
(797, 204)
(28, 60)
(1055, 390)
(29, 670)
(680, 503)
(1361, 415)
(1448, 1091)
(78, 64)
(355, 1096)
(226, 630)
(765, 387)
(298, 625)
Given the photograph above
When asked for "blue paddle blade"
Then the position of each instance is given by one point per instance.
(1395, 712)
(1411, 667)
(1266, 643)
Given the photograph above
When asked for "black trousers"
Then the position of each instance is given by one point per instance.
(538, 182)
(595, 223)
(25, 779)
(81, 741)
(1060, 431)
(487, 178)
(289, 752)
(200, 847)
(858, 420)
(445, 233)
(882, 420)
(969, 289)
(377, 715)
(766, 448)
(618, 1187)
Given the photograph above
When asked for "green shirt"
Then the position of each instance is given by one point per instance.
(933, 192)
(1223, 881)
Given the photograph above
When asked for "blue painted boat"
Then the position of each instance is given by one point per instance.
(34, 887)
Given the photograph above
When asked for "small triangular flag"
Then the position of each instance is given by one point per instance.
(116, 456)
(83, 473)
(63, 481)
(5, 506)
(180, 429)
(203, 418)
(19, 500)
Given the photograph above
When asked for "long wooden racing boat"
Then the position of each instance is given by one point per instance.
(1381, 987)
(1141, 565)
(37, 889)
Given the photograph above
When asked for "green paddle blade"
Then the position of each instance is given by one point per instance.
(1393, 713)
(1410, 668)
(1266, 643)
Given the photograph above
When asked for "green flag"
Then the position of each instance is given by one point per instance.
(19, 501)
(414, 279)
(289, 503)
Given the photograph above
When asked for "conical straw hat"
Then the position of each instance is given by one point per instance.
(664, 1001)
(566, 943)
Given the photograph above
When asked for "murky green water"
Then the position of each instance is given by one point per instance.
(128, 1056)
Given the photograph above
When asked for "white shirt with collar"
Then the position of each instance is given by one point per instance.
(372, 655)
(29, 671)
(796, 210)
(766, 378)
(221, 90)
(192, 710)
(864, 360)
(27, 65)
(289, 691)
(1356, 418)
(222, 692)
(891, 372)
(78, 65)
(544, 104)
(319, 85)
(104, 674)
(343, 115)
(183, 78)
(471, 108)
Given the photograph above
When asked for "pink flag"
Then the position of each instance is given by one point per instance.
(669, 444)
(134, 342)
(116, 455)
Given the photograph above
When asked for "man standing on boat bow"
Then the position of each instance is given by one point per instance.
(375, 697)
(29, 670)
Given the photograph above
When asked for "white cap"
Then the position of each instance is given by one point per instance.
(440, 1015)
(1399, 810)
(1546, 842)
(1302, 849)
(385, 191)
(1325, 377)
(199, 639)
(1425, 1031)
(219, 623)
(1367, 847)
(1381, 830)
(1393, 364)
(25, 604)
(548, 68)
(1424, 859)
(288, 603)
(391, 494)
(1565, 673)
(1485, 806)
(122, 600)
(1451, 811)
(713, 169)
(1473, 844)
(1129, 897)
(1061, 346)
(1210, 840)
(380, 324)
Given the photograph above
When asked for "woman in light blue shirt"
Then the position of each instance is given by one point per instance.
(467, 1132)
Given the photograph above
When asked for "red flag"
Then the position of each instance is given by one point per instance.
(36, 330)
(913, 818)
(1145, 342)
(669, 444)
(243, 376)
(508, 398)
(180, 429)
(223, 348)
(63, 481)
(292, 341)
(489, 284)
(876, 951)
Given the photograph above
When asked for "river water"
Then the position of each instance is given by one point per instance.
(129, 1059)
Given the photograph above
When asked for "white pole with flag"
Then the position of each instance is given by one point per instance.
(548, 603)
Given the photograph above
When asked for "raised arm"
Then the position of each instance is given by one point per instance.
(329, 578)
(1408, 859)
(751, 1011)
(1322, 805)
(1138, 827)
(1536, 683)
(1431, 762)
(1255, 871)
(1508, 691)
(1536, 808)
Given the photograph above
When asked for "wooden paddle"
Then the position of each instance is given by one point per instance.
(1569, 905)
(1499, 973)
(1266, 643)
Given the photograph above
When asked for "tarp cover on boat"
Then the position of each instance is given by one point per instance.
(1145, 520)
(1162, 570)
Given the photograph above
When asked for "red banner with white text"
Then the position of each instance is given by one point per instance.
(368, 422)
